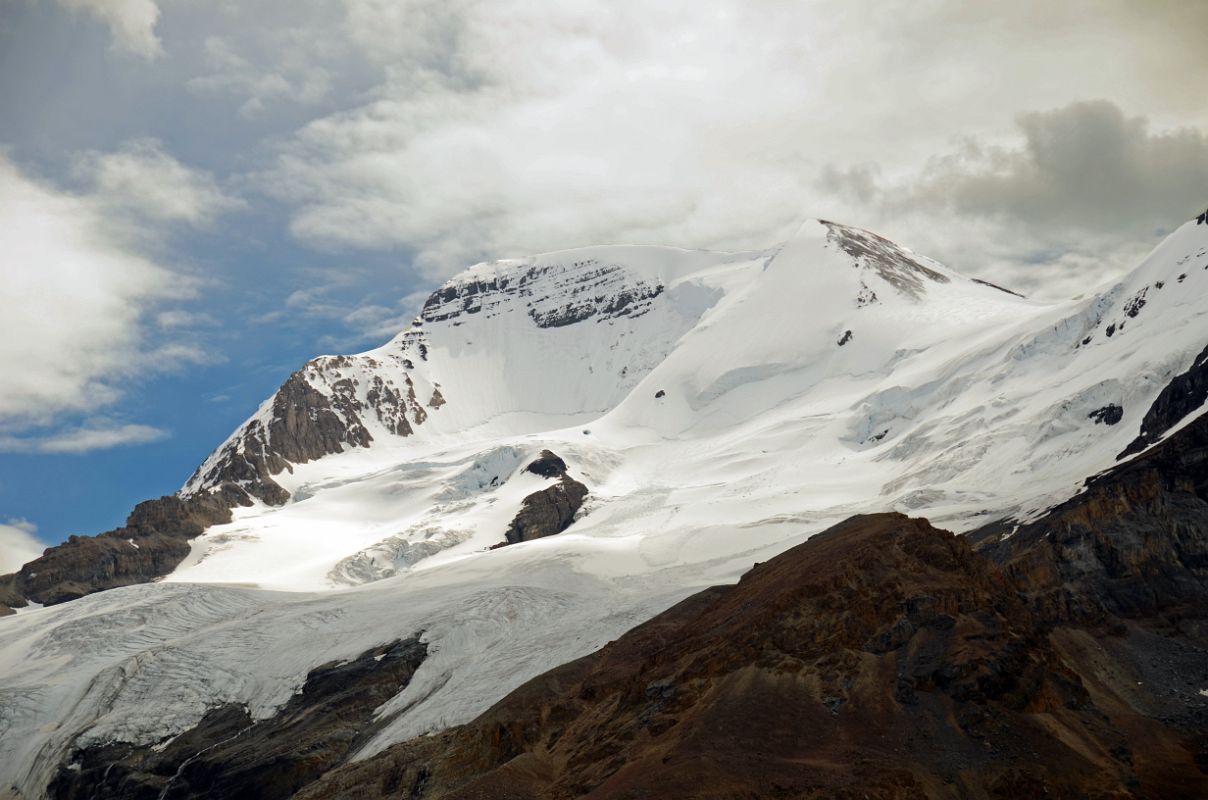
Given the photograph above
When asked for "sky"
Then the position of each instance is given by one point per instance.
(197, 196)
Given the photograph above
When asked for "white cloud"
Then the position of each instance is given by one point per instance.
(294, 76)
(72, 298)
(18, 545)
(515, 127)
(74, 291)
(170, 357)
(84, 439)
(142, 179)
(131, 23)
(175, 318)
(505, 128)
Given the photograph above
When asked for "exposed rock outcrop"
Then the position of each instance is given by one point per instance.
(154, 540)
(881, 659)
(1109, 414)
(551, 510)
(228, 755)
(1133, 543)
(896, 265)
(547, 465)
(601, 292)
(576, 293)
(996, 286)
(1187, 392)
(305, 424)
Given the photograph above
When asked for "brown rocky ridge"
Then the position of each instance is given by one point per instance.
(154, 540)
(885, 659)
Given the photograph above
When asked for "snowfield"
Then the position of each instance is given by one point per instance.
(721, 408)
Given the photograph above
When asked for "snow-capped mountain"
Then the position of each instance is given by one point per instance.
(718, 408)
(835, 373)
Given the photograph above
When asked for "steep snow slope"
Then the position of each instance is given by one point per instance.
(720, 408)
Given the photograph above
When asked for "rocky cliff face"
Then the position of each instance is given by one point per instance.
(230, 755)
(153, 541)
(1134, 543)
(1183, 395)
(899, 267)
(321, 409)
(587, 290)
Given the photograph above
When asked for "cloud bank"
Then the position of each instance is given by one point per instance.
(451, 131)
(1086, 166)
(84, 439)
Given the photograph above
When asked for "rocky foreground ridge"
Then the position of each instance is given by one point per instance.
(885, 659)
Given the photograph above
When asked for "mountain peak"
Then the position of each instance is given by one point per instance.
(570, 333)
(896, 265)
(919, 380)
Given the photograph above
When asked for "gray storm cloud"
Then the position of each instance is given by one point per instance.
(1087, 165)
(1079, 194)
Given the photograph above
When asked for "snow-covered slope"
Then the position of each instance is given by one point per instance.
(719, 407)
